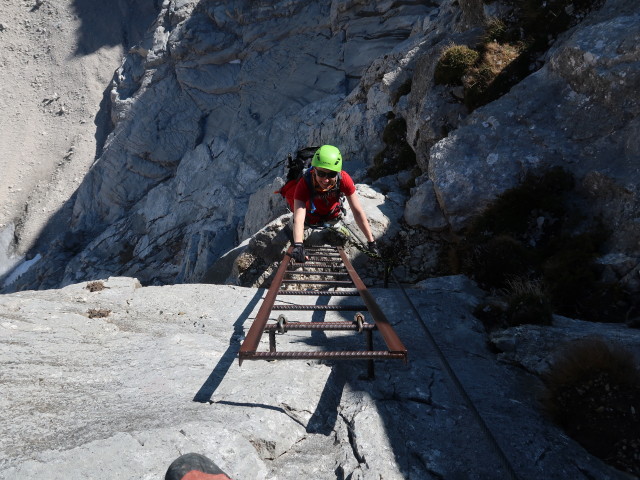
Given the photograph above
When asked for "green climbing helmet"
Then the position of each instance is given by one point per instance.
(328, 156)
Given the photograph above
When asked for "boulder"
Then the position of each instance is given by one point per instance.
(423, 208)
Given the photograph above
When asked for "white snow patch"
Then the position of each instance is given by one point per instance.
(21, 269)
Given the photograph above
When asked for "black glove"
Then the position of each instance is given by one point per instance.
(298, 253)
(373, 248)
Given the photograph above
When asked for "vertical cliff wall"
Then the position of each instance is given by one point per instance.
(206, 108)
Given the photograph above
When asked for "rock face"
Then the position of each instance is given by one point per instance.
(578, 111)
(199, 129)
(114, 380)
(206, 108)
(57, 59)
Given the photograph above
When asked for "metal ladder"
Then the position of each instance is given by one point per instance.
(330, 270)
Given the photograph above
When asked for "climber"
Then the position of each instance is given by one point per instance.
(193, 466)
(318, 199)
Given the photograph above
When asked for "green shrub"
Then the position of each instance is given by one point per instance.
(496, 31)
(524, 302)
(514, 211)
(533, 231)
(593, 392)
(539, 20)
(454, 63)
(501, 66)
(511, 45)
(496, 260)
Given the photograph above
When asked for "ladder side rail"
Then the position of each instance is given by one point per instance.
(391, 339)
(251, 341)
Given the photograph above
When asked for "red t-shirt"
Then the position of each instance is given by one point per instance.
(324, 202)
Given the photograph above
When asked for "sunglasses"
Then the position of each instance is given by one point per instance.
(329, 174)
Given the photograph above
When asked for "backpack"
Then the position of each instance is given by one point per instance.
(300, 167)
(295, 170)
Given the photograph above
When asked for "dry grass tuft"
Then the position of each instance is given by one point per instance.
(98, 312)
(95, 286)
(528, 303)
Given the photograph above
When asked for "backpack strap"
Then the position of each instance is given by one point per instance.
(310, 188)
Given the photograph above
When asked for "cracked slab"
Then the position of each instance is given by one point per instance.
(123, 395)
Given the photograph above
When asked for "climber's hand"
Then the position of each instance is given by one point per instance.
(373, 248)
(298, 253)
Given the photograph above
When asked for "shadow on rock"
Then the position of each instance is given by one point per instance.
(112, 23)
(222, 367)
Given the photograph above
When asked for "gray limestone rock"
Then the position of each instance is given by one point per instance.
(203, 110)
(264, 205)
(207, 106)
(423, 209)
(119, 380)
(578, 112)
(535, 348)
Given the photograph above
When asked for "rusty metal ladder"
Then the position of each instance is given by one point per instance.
(335, 271)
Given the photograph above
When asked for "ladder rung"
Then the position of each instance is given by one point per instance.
(320, 293)
(336, 308)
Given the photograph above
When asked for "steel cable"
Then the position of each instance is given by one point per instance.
(460, 388)
(446, 366)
